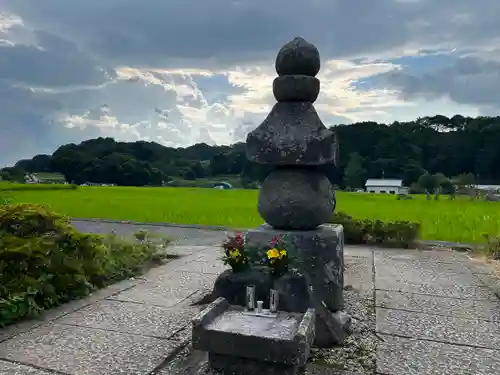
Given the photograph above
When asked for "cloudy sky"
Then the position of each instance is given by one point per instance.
(180, 72)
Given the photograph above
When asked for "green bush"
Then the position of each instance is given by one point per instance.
(365, 231)
(45, 261)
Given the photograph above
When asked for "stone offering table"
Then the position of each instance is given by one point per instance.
(243, 343)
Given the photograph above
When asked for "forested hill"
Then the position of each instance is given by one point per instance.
(438, 144)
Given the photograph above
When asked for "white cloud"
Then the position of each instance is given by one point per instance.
(180, 72)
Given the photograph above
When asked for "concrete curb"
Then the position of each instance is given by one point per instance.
(464, 247)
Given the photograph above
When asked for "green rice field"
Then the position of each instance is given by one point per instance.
(460, 220)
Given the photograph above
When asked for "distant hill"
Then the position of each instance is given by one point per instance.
(405, 150)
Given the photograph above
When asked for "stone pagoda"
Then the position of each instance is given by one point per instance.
(297, 199)
(297, 195)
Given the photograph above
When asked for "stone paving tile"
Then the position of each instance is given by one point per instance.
(8, 368)
(84, 351)
(492, 281)
(422, 265)
(207, 262)
(133, 318)
(481, 265)
(419, 265)
(429, 277)
(462, 308)
(400, 356)
(439, 328)
(435, 256)
(358, 251)
(358, 274)
(168, 289)
(184, 250)
(444, 290)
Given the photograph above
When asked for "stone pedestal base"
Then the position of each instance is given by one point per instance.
(319, 253)
(319, 256)
(229, 365)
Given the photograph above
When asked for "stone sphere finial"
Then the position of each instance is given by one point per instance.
(298, 57)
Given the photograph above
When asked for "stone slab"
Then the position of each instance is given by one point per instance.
(447, 329)
(424, 273)
(482, 265)
(167, 289)
(284, 338)
(419, 265)
(207, 262)
(9, 368)
(398, 356)
(435, 256)
(84, 351)
(358, 275)
(446, 290)
(133, 318)
(462, 308)
(358, 251)
(492, 281)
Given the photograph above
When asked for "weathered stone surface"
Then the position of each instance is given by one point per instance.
(133, 318)
(439, 328)
(296, 88)
(292, 134)
(298, 57)
(285, 338)
(297, 199)
(461, 308)
(416, 270)
(232, 286)
(443, 289)
(318, 252)
(358, 276)
(77, 350)
(167, 289)
(398, 356)
(8, 368)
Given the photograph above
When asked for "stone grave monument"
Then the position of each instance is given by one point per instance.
(296, 200)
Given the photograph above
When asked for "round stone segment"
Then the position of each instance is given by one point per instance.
(296, 199)
(296, 88)
(298, 57)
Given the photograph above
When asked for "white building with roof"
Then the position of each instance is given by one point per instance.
(383, 186)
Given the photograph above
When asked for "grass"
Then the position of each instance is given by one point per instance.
(12, 186)
(460, 220)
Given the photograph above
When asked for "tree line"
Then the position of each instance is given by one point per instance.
(428, 146)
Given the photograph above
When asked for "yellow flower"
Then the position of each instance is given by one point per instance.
(273, 253)
(235, 253)
(283, 253)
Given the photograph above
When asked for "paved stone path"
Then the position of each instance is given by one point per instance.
(434, 312)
